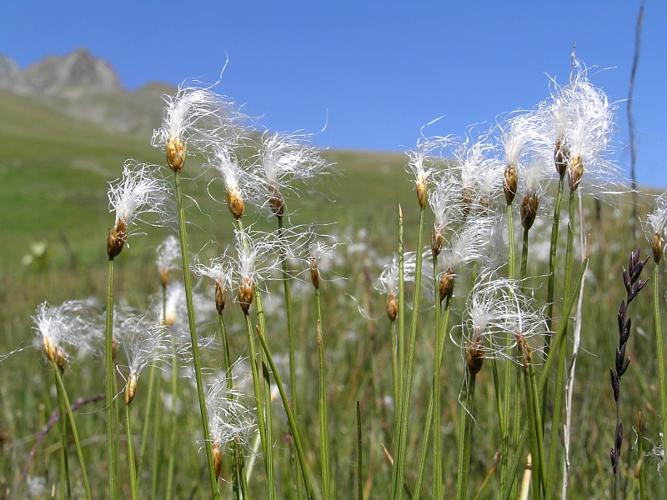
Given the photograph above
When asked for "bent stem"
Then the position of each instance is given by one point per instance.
(109, 387)
(659, 350)
(187, 281)
(465, 438)
(130, 455)
(324, 418)
(562, 355)
(409, 369)
(75, 432)
(290, 418)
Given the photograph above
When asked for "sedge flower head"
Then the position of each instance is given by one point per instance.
(422, 162)
(167, 255)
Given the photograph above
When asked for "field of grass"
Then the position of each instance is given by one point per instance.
(53, 178)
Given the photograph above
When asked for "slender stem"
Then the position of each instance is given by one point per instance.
(511, 259)
(290, 418)
(435, 394)
(551, 289)
(75, 432)
(322, 402)
(465, 439)
(524, 254)
(290, 323)
(157, 419)
(259, 398)
(175, 368)
(150, 398)
(110, 402)
(238, 462)
(562, 356)
(409, 369)
(194, 341)
(64, 483)
(130, 455)
(430, 415)
(640, 457)
(268, 407)
(659, 351)
(401, 316)
(360, 457)
(394, 369)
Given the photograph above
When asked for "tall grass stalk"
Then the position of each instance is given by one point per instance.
(401, 314)
(559, 388)
(64, 482)
(305, 471)
(153, 395)
(75, 433)
(409, 368)
(360, 457)
(290, 323)
(187, 281)
(132, 468)
(524, 255)
(438, 340)
(659, 351)
(322, 402)
(171, 452)
(109, 386)
(465, 437)
(551, 285)
(430, 420)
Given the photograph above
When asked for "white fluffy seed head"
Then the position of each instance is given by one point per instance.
(142, 339)
(167, 255)
(286, 158)
(388, 282)
(422, 161)
(72, 324)
(497, 316)
(230, 417)
(469, 244)
(199, 118)
(138, 192)
(219, 270)
(656, 221)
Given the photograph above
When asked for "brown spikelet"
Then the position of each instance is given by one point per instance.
(246, 294)
(474, 357)
(576, 171)
(164, 277)
(446, 284)
(529, 206)
(658, 247)
(510, 182)
(217, 458)
(276, 201)
(561, 157)
(314, 274)
(116, 239)
(437, 240)
(392, 307)
(235, 203)
(130, 388)
(175, 154)
(422, 192)
(220, 297)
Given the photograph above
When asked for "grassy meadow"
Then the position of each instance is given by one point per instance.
(53, 180)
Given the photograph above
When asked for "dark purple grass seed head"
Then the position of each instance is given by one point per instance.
(633, 285)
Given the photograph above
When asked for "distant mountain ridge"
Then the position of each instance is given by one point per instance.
(87, 88)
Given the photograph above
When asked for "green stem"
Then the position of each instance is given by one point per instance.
(562, 357)
(435, 394)
(430, 415)
(157, 419)
(553, 249)
(290, 324)
(465, 439)
(175, 368)
(192, 323)
(409, 369)
(524, 255)
(64, 483)
(360, 457)
(290, 418)
(511, 259)
(268, 407)
(659, 351)
(324, 418)
(109, 391)
(401, 322)
(130, 455)
(394, 370)
(75, 432)
(259, 398)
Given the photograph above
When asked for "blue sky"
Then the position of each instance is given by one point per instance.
(377, 70)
